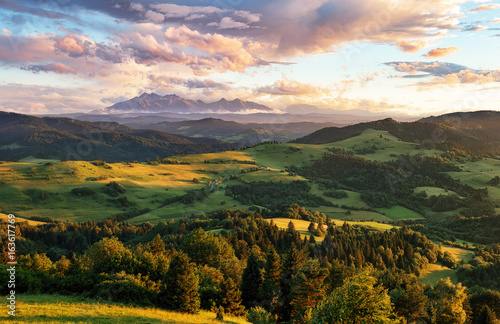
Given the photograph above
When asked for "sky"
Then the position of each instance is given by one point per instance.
(413, 57)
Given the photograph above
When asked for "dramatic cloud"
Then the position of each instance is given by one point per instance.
(14, 49)
(440, 52)
(58, 68)
(489, 6)
(228, 52)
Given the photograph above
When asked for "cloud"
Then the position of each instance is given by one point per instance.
(441, 51)
(484, 7)
(474, 28)
(229, 23)
(57, 67)
(154, 17)
(171, 10)
(228, 53)
(445, 73)
(16, 49)
(189, 83)
(410, 46)
(287, 87)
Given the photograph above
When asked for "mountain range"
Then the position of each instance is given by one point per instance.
(153, 103)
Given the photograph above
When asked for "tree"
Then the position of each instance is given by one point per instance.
(270, 288)
(292, 262)
(448, 300)
(231, 297)
(357, 301)
(109, 255)
(180, 286)
(212, 250)
(251, 281)
(156, 245)
(486, 316)
(308, 288)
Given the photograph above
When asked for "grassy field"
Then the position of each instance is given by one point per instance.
(437, 271)
(434, 191)
(37, 187)
(302, 225)
(66, 309)
(387, 146)
(398, 212)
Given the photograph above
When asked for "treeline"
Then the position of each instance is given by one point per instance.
(393, 183)
(274, 194)
(254, 268)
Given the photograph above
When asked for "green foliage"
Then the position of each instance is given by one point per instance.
(83, 191)
(108, 255)
(180, 287)
(449, 302)
(337, 194)
(274, 194)
(114, 189)
(359, 300)
(251, 280)
(258, 315)
(231, 297)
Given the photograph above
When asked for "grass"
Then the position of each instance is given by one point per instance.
(4, 218)
(68, 309)
(388, 147)
(437, 271)
(399, 213)
(434, 191)
(302, 225)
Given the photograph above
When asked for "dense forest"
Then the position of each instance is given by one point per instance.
(237, 262)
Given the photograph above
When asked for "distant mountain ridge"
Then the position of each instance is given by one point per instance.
(69, 139)
(153, 103)
(472, 132)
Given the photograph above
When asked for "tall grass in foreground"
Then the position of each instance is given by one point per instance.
(68, 309)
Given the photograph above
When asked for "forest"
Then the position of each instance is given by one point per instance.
(237, 262)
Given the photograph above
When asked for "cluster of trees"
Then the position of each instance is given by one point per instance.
(256, 268)
(274, 194)
(393, 183)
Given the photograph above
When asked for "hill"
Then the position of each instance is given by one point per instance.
(153, 103)
(69, 139)
(235, 132)
(469, 133)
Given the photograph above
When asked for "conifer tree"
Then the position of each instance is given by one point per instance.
(251, 281)
(231, 297)
(180, 287)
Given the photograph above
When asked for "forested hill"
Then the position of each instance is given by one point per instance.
(474, 132)
(69, 139)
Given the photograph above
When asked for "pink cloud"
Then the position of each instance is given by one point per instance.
(441, 51)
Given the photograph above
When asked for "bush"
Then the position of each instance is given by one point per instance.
(337, 194)
(84, 191)
(258, 315)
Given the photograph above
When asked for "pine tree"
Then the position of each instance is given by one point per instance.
(251, 281)
(180, 287)
(156, 245)
(273, 265)
(308, 288)
(293, 260)
(231, 297)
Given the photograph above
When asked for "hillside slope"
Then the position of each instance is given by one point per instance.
(69, 139)
(475, 133)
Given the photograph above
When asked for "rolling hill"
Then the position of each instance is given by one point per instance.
(69, 139)
(474, 132)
